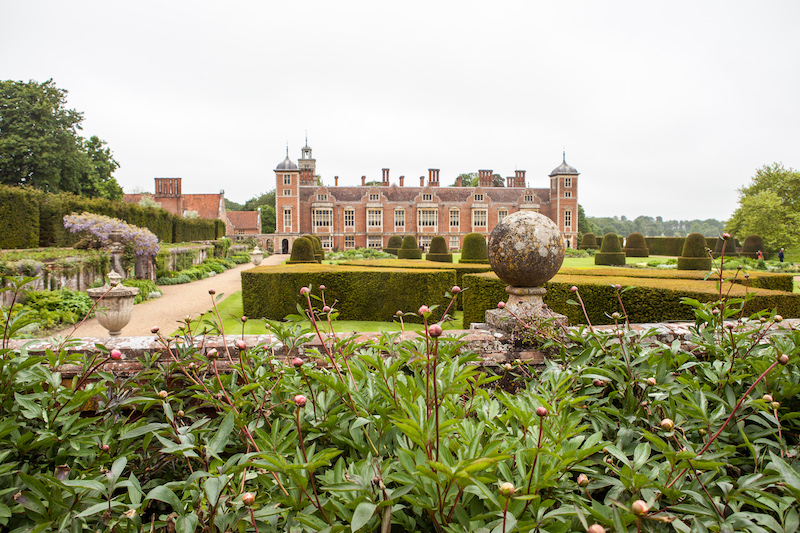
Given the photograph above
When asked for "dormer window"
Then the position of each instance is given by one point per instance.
(478, 197)
(528, 198)
(374, 197)
(427, 197)
(322, 197)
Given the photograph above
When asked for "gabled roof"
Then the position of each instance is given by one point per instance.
(244, 219)
(206, 205)
(394, 193)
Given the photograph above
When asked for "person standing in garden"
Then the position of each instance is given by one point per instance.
(780, 255)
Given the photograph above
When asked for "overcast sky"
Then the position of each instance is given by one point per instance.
(665, 108)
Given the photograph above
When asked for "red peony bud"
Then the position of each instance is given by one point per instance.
(305, 290)
(783, 359)
(326, 309)
(300, 400)
(241, 344)
(541, 411)
(583, 480)
(322, 287)
(115, 354)
(651, 382)
(435, 330)
(297, 362)
(212, 292)
(163, 394)
(248, 499)
(424, 309)
(501, 305)
(573, 289)
(154, 330)
(456, 289)
(596, 528)
(768, 398)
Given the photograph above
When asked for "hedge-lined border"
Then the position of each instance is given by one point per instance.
(649, 300)
(360, 293)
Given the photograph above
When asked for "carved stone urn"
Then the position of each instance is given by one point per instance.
(256, 256)
(114, 304)
(526, 249)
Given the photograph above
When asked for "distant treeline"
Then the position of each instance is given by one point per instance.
(653, 227)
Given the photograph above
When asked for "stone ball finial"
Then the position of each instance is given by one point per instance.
(526, 249)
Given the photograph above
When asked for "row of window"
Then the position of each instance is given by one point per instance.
(376, 241)
(427, 218)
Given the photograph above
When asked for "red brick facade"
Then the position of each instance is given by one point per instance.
(366, 216)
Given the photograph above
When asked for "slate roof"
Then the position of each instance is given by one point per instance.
(396, 194)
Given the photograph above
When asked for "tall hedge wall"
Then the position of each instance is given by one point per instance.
(649, 299)
(361, 293)
(37, 219)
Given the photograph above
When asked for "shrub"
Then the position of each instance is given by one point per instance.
(409, 249)
(610, 251)
(361, 293)
(221, 247)
(695, 254)
(177, 280)
(145, 286)
(438, 251)
(474, 249)
(730, 247)
(319, 251)
(394, 244)
(752, 245)
(635, 246)
(302, 251)
(665, 245)
(588, 242)
(240, 258)
(102, 227)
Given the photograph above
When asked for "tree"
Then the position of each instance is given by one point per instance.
(770, 207)
(40, 146)
(470, 179)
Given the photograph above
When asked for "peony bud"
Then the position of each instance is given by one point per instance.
(248, 499)
(180, 413)
(507, 489)
(617, 286)
(777, 318)
(212, 353)
(398, 313)
(501, 305)
(322, 287)
(304, 291)
(726, 236)
(615, 315)
(241, 344)
(596, 528)
(297, 362)
(783, 359)
(541, 411)
(163, 394)
(435, 330)
(573, 289)
(300, 400)
(456, 289)
(154, 330)
(775, 405)
(583, 480)
(651, 382)
(212, 292)
(639, 507)
(667, 424)
(767, 398)
(598, 383)
(326, 309)
(115, 354)
(424, 309)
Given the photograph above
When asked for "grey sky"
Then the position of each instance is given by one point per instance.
(665, 108)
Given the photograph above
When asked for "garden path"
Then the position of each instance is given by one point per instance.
(175, 304)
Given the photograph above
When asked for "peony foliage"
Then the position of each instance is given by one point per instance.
(101, 226)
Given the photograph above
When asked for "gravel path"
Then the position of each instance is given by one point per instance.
(175, 304)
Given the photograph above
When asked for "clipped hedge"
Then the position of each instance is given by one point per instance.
(361, 293)
(394, 244)
(589, 242)
(649, 300)
(409, 249)
(474, 249)
(302, 251)
(459, 268)
(694, 255)
(610, 251)
(37, 219)
(752, 245)
(635, 246)
(665, 245)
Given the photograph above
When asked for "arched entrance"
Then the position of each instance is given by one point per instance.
(285, 246)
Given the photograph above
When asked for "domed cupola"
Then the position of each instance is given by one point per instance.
(564, 169)
(286, 164)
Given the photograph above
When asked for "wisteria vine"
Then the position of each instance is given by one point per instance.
(101, 226)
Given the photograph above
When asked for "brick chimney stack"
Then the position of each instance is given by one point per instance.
(509, 181)
(402, 179)
(519, 178)
(459, 182)
(385, 179)
(422, 181)
(433, 177)
(363, 180)
(336, 181)
(485, 178)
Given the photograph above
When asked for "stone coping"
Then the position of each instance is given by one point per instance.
(495, 347)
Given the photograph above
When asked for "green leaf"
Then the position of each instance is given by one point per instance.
(163, 494)
(220, 439)
(361, 516)
(141, 430)
(186, 523)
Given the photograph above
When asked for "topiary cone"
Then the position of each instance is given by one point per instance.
(438, 251)
(409, 249)
(635, 246)
(474, 249)
(302, 251)
(610, 253)
(695, 255)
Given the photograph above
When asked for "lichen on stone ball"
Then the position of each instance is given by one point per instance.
(526, 249)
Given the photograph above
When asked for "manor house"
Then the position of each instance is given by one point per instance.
(365, 216)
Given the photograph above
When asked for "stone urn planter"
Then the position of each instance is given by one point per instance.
(114, 304)
(256, 256)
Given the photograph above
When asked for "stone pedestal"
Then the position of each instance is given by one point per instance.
(114, 304)
(526, 304)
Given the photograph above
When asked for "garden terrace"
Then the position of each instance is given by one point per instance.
(646, 299)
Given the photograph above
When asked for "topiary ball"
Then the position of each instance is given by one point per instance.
(474, 249)
(526, 249)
